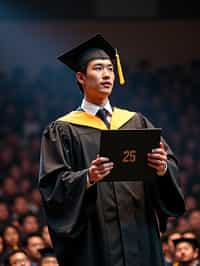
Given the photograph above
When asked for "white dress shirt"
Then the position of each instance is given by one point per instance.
(92, 108)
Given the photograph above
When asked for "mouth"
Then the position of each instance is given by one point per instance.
(106, 84)
(183, 257)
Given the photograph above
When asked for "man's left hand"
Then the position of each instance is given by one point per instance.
(157, 159)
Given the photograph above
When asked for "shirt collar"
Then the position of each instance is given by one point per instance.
(92, 108)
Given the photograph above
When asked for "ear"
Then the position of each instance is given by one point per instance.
(196, 253)
(80, 77)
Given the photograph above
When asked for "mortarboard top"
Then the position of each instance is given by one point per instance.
(95, 48)
(47, 252)
(191, 241)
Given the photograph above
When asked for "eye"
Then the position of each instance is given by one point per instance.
(110, 69)
(98, 68)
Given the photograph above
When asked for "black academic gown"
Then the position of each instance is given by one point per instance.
(110, 223)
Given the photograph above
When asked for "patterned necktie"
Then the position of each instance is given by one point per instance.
(102, 114)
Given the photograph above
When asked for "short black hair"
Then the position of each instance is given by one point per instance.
(10, 253)
(28, 214)
(28, 236)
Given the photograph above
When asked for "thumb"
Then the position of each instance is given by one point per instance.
(161, 145)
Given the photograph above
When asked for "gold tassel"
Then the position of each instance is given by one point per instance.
(119, 69)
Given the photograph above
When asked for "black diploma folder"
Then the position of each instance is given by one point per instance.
(128, 150)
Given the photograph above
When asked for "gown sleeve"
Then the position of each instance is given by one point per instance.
(63, 188)
(167, 193)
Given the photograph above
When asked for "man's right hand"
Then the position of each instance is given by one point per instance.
(99, 168)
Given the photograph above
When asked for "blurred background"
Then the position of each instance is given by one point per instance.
(158, 42)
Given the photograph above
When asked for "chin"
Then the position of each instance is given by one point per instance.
(106, 90)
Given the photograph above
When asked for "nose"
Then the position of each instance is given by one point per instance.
(106, 73)
(182, 254)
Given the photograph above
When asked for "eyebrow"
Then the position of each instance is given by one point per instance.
(103, 64)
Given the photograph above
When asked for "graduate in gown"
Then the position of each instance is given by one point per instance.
(94, 223)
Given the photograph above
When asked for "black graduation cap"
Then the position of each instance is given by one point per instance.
(47, 252)
(191, 241)
(95, 48)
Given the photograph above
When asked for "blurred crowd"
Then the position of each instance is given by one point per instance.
(167, 95)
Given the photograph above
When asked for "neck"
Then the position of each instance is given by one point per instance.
(99, 102)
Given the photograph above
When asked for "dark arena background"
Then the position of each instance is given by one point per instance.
(159, 45)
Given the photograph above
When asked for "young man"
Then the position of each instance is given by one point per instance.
(102, 223)
(17, 258)
(186, 252)
(33, 243)
(48, 257)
